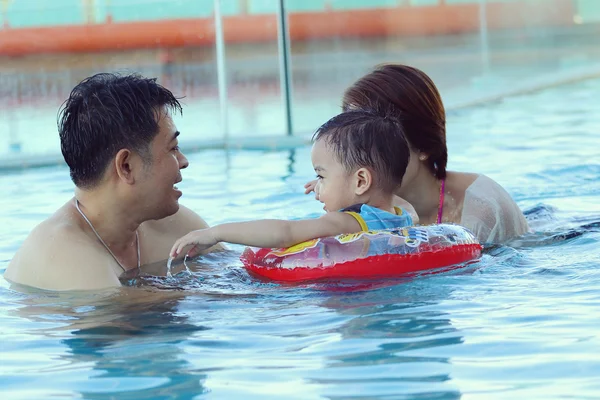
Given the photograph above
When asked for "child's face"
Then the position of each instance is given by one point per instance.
(334, 186)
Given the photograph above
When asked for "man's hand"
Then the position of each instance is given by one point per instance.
(310, 186)
(200, 240)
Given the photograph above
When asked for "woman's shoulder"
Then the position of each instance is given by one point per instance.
(484, 186)
(491, 211)
(460, 181)
(468, 181)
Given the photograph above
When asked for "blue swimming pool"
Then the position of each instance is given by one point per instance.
(520, 323)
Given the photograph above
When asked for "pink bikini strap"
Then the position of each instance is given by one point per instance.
(441, 206)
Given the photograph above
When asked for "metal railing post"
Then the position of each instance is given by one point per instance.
(221, 70)
(284, 63)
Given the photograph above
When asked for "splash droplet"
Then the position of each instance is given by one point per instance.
(169, 262)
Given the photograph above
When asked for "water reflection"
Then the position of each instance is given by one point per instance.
(551, 227)
(391, 342)
(233, 335)
(388, 333)
(128, 342)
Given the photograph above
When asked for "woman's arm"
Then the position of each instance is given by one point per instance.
(270, 233)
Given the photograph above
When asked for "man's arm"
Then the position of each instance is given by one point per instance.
(268, 232)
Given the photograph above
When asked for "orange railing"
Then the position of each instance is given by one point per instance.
(246, 28)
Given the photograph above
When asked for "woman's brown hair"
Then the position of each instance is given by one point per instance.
(411, 96)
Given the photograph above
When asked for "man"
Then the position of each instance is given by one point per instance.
(120, 144)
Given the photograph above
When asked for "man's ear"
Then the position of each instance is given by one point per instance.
(125, 165)
(363, 180)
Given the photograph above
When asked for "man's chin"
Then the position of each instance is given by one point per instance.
(167, 211)
(174, 208)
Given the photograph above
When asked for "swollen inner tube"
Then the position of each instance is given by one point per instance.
(371, 254)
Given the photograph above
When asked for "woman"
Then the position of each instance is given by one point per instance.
(469, 199)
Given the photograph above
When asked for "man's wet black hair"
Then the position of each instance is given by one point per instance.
(108, 112)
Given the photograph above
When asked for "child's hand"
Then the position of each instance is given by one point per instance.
(200, 240)
(310, 186)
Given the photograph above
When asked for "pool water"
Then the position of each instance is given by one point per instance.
(520, 323)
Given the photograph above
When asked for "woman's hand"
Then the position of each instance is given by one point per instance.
(310, 186)
(200, 240)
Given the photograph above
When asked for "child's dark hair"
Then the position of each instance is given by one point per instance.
(361, 139)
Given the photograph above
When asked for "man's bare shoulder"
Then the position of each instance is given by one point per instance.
(164, 232)
(53, 231)
(58, 255)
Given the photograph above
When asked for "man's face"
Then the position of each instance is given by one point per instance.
(164, 171)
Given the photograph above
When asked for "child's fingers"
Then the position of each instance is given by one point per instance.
(174, 252)
(193, 252)
(181, 246)
(177, 247)
(309, 187)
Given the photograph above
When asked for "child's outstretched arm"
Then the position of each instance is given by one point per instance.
(267, 232)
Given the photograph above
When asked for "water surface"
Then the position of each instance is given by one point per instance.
(520, 323)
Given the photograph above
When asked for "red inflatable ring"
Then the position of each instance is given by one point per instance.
(371, 254)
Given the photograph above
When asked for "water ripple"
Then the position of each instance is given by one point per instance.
(520, 322)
